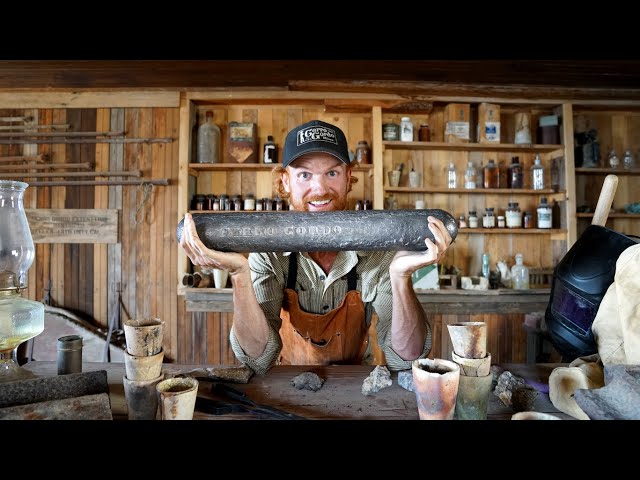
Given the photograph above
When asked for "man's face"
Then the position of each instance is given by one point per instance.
(317, 182)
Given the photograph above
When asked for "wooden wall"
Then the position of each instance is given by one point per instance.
(135, 277)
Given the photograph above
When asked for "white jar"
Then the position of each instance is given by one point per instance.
(406, 129)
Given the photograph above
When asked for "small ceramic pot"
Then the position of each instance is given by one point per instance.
(436, 386)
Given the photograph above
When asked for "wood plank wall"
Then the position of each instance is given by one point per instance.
(136, 277)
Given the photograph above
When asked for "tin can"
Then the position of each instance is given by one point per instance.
(69, 354)
(390, 132)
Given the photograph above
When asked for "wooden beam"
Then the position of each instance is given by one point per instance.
(90, 99)
(133, 173)
(33, 141)
(158, 181)
(60, 134)
(6, 168)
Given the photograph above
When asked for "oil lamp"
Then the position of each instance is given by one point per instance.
(20, 318)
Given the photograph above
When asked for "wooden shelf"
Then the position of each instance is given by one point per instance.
(611, 215)
(506, 231)
(499, 191)
(253, 166)
(472, 147)
(614, 171)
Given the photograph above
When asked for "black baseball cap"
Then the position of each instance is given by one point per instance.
(315, 136)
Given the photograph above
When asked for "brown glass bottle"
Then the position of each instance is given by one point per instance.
(491, 175)
(515, 177)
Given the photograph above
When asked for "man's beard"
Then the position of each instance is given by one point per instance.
(337, 203)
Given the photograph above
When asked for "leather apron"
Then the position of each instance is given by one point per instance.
(338, 336)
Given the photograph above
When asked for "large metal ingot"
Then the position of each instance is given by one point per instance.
(292, 231)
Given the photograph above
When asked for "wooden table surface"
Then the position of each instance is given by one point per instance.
(339, 398)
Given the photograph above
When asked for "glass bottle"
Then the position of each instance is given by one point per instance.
(270, 152)
(406, 129)
(545, 216)
(501, 222)
(358, 205)
(519, 274)
(452, 176)
(491, 175)
(485, 265)
(614, 161)
(462, 222)
(470, 176)
(537, 174)
(209, 140)
(489, 219)
(473, 219)
(363, 153)
(20, 318)
(527, 220)
(514, 178)
(627, 160)
(424, 133)
(513, 215)
(249, 202)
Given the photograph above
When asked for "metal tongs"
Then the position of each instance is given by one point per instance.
(237, 401)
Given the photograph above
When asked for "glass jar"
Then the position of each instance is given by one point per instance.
(363, 153)
(462, 222)
(390, 132)
(614, 161)
(627, 160)
(545, 216)
(528, 220)
(259, 204)
(358, 205)
(197, 203)
(473, 219)
(249, 202)
(513, 215)
(424, 133)
(452, 176)
(489, 219)
(501, 222)
(519, 274)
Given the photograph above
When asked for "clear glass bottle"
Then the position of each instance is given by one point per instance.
(249, 202)
(473, 219)
(470, 176)
(452, 176)
(537, 174)
(209, 140)
(519, 274)
(462, 222)
(485, 265)
(20, 318)
(270, 151)
(628, 160)
(491, 175)
(514, 178)
(501, 222)
(545, 215)
(614, 161)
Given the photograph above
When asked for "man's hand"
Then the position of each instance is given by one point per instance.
(406, 262)
(200, 255)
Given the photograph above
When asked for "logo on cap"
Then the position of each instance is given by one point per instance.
(316, 134)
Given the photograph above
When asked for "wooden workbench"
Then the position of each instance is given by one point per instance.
(339, 398)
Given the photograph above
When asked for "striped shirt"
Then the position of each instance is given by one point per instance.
(318, 293)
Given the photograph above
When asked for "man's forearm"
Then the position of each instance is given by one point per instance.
(409, 320)
(249, 323)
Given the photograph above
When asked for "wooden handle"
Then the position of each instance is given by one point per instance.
(605, 200)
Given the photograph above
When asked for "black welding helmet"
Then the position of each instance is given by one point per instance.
(579, 283)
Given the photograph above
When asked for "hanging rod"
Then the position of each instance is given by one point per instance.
(133, 173)
(7, 141)
(22, 158)
(61, 134)
(84, 183)
(25, 127)
(7, 168)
